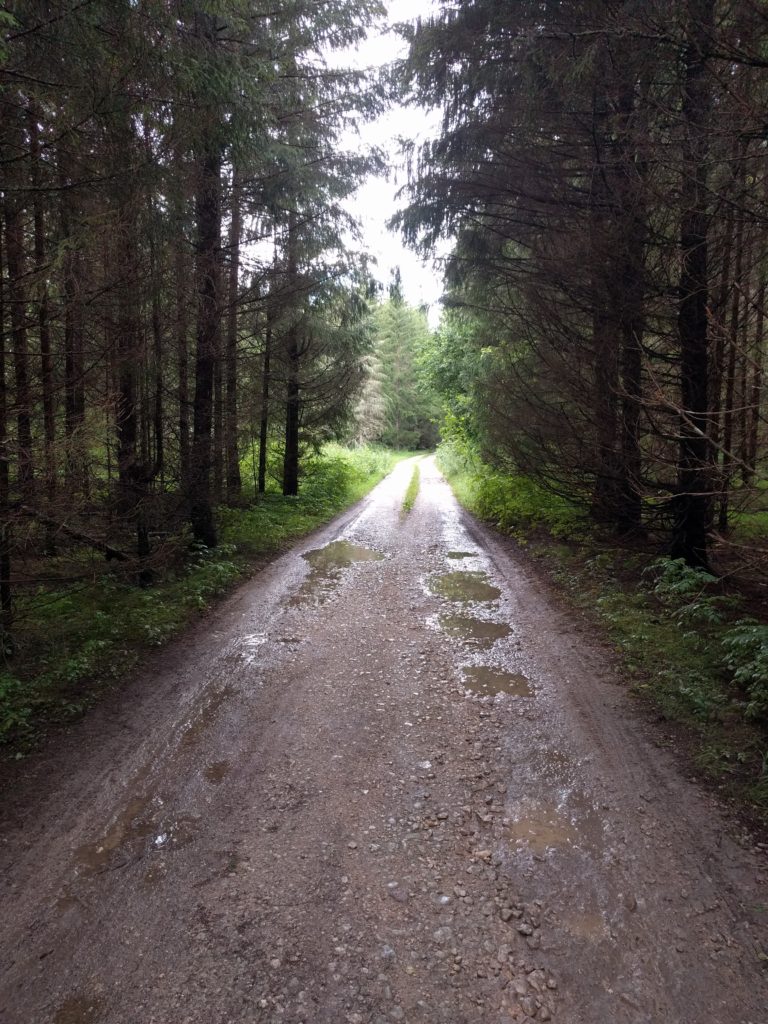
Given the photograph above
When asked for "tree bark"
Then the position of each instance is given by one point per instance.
(43, 325)
(264, 417)
(234, 483)
(292, 356)
(692, 501)
(6, 599)
(75, 465)
(208, 215)
(17, 297)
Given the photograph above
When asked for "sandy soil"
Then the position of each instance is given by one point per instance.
(387, 781)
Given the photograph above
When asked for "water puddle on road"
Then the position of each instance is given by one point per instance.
(480, 632)
(542, 828)
(217, 771)
(464, 586)
(66, 902)
(139, 820)
(204, 717)
(133, 823)
(246, 647)
(79, 1010)
(488, 682)
(326, 566)
(556, 765)
(177, 832)
(460, 554)
(589, 926)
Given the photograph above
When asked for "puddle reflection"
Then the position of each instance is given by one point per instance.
(79, 1010)
(542, 827)
(479, 632)
(326, 566)
(217, 771)
(464, 586)
(141, 818)
(488, 682)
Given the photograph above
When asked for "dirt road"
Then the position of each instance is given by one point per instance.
(387, 781)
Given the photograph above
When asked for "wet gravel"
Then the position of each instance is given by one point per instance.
(387, 781)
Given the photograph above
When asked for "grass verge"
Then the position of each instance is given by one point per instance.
(75, 642)
(412, 490)
(687, 646)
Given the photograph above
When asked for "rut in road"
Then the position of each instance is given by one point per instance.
(387, 781)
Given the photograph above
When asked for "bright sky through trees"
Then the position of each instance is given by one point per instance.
(376, 201)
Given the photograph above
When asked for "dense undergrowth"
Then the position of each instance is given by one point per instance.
(689, 644)
(74, 641)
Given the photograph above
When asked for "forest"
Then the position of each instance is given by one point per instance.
(603, 170)
(197, 358)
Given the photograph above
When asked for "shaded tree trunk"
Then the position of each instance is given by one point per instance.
(234, 483)
(182, 364)
(75, 468)
(692, 501)
(292, 357)
(17, 298)
(208, 216)
(6, 600)
(264, 418)
(43, 326)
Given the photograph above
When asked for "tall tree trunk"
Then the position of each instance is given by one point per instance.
(730, 360)
(605, 339)
(264, 418)
(208, 214)
(692, 500)
(75, 468)
(17, 297)
(631, 177)
(234, 483)
(218, 415)
(43, 327)
(182, 364)
(605, 332)
(6, 601)
(756, 390)
(292, 357)
(718, 412)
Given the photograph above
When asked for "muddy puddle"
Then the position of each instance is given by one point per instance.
(591, 926)
(140, 820)
(79, 1010)
(326, 566)
(479, 632)
(488, 682)
(133, 823)
(556, 765)
(246, 647)
(542, 827)
(204, 717)
(176, 832)
(217, 771)
(464, 586)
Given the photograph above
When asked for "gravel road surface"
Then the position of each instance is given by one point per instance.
(388, 780)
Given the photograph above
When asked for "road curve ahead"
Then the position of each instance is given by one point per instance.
(387, 781)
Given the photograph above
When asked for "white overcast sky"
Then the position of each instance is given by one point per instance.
(375, 202)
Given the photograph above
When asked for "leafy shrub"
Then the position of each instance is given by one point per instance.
(15, 710)
(683, 592)
(746, 656)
